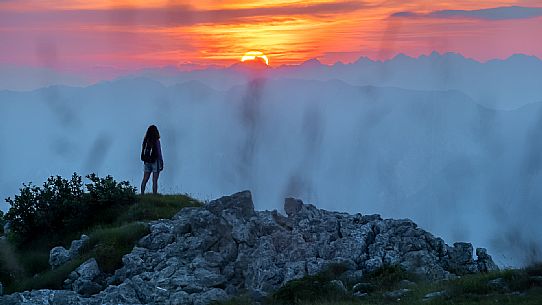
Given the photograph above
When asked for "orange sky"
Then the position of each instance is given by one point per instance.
(133, 34)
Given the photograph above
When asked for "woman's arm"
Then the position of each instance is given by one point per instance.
(160, 158)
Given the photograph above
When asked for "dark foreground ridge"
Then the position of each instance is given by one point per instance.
(225, 248)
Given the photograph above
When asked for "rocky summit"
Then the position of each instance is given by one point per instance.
(226, 247)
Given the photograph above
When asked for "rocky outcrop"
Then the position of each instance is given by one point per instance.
(213, 252)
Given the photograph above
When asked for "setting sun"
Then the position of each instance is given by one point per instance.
(254, 55)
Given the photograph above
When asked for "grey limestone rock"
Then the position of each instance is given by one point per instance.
(498, 284)
(339, 285)
(396, 294)
(407, 284)
(485, 262)
(433, 295)
(82, 280)
(459, 259)
(213, 294)
(59, 255)
(77, 244)
(292, 206)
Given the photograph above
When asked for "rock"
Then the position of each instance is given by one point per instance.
(352, 276)
(498, 284)
(180, 297)
(239, 203)
(339, 286)
(407, 284)
(58, 256)
(44, 296)
(373, 264)
(433, 295)
(359, 294)
(82, 279)
(363, 287)
(537, 279)
(292, 206)
(121, 294)
(396, 294)
(208, 278)
(77, 244)
(485, 262)
(208, 296)
(7, 228)
(459, 259)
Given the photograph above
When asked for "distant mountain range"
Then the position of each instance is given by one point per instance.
(499, 84)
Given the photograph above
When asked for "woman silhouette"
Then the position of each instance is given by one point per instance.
(151, 155)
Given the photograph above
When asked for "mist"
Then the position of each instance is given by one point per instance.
(461, 167)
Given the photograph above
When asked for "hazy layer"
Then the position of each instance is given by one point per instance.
(463, 171)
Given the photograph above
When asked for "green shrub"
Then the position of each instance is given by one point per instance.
(9, 266)
(42, 210)
(62, 206)
(105, 191)
(2, 223)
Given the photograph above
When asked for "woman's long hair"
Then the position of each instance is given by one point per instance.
(152, 135)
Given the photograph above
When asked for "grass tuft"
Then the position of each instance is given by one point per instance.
(109, 245)
(152, 207)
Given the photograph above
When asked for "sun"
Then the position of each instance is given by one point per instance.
(254, 55)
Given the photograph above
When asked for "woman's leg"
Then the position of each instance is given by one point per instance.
(155, 182)
(146, 176)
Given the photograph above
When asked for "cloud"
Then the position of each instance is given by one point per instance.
(175, 15)
(497, 13)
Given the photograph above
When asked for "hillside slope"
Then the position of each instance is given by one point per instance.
(226, 247)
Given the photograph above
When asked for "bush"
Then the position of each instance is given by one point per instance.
(2, 223)
(62, 205)
(105, 191)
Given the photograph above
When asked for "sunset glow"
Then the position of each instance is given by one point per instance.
(253, 55)
(122, 34)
